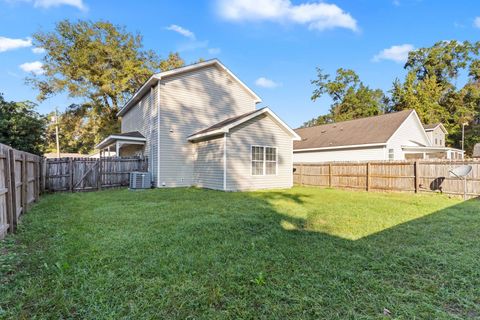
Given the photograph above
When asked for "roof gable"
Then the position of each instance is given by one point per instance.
(154, 79)
(227, 124)
(364, 131)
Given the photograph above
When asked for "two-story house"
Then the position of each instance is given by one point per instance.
(199, 126)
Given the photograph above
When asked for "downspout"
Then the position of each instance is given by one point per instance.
(225, 161)
(158, 134)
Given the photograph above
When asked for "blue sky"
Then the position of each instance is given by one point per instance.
(274, 46)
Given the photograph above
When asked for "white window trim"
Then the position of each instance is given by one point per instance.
(264, 161)
(391, 153)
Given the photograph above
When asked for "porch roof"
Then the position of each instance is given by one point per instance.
(134, 137)
(428, 149)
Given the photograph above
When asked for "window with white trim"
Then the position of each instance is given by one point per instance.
(264, 160)
(391, 154)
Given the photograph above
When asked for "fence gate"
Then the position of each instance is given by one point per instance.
(84, 174)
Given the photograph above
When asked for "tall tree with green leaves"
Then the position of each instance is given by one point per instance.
(431, 88)
(21, 127)
(351, 98)
(101, 63)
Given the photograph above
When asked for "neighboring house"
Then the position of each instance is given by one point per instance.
(97, 153)
(392, 136)
(436, 134)
(52, 155)
(476, 151)
(199, 126)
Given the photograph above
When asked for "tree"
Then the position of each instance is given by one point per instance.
(351, 98)
(100, 63)
(21, 127)
(430, 87)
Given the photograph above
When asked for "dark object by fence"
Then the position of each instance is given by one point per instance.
(418, 176)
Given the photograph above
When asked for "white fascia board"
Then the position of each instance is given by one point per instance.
(227, 128)
(295, 136)
(353, 146)
(418, 122)
(208, 134)
(138, 94)
(105, 142)
(159, 76)
(420, 148)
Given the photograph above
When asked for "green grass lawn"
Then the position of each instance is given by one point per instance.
(188, 253)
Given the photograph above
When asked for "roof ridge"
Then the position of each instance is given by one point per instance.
(363, 118)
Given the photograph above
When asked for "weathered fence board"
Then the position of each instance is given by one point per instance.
(420, 176)
(19, 185)
(86, 174)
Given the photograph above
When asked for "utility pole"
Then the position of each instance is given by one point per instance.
(55, 119)
(463, 138)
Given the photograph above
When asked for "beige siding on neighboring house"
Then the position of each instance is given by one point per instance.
(354, 154)
(260, 131)
(208, 165)
(437, 137)
(191, 102)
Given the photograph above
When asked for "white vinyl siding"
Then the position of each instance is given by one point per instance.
(260, 131)
(437, 137)
(410, 133)
(354, 154)
(143, 118)
(208, 165)
(191, 102)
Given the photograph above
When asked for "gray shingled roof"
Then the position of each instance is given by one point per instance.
(225, 122)
(371, 130)
(133, 134)
(430, 126)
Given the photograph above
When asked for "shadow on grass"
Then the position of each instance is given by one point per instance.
(181, 253)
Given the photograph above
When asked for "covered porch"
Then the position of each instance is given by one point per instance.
(126, 144)
(432, 153)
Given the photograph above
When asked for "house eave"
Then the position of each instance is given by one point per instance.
(353, 146)
(227, 128)
(113, 138)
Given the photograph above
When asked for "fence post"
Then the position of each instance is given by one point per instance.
(329, 175)
(70, 171)
(415, 175)
(8, 185)
(24, 183)
(36, 181)
(99, 176)
(368, 176)
(301, 175)
(13, 187)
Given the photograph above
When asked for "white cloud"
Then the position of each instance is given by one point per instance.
(7, 44)
(79, 4)
(34, 67)
(38, 50)
(214, 51)
(476, 22)
(316, 15)
(184, 32)
(266, 83)
(398, 53)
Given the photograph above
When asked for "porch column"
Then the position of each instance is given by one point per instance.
(117, 149)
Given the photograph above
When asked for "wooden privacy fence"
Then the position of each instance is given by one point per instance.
(86, 174)
(20, 184)
(418, 176)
